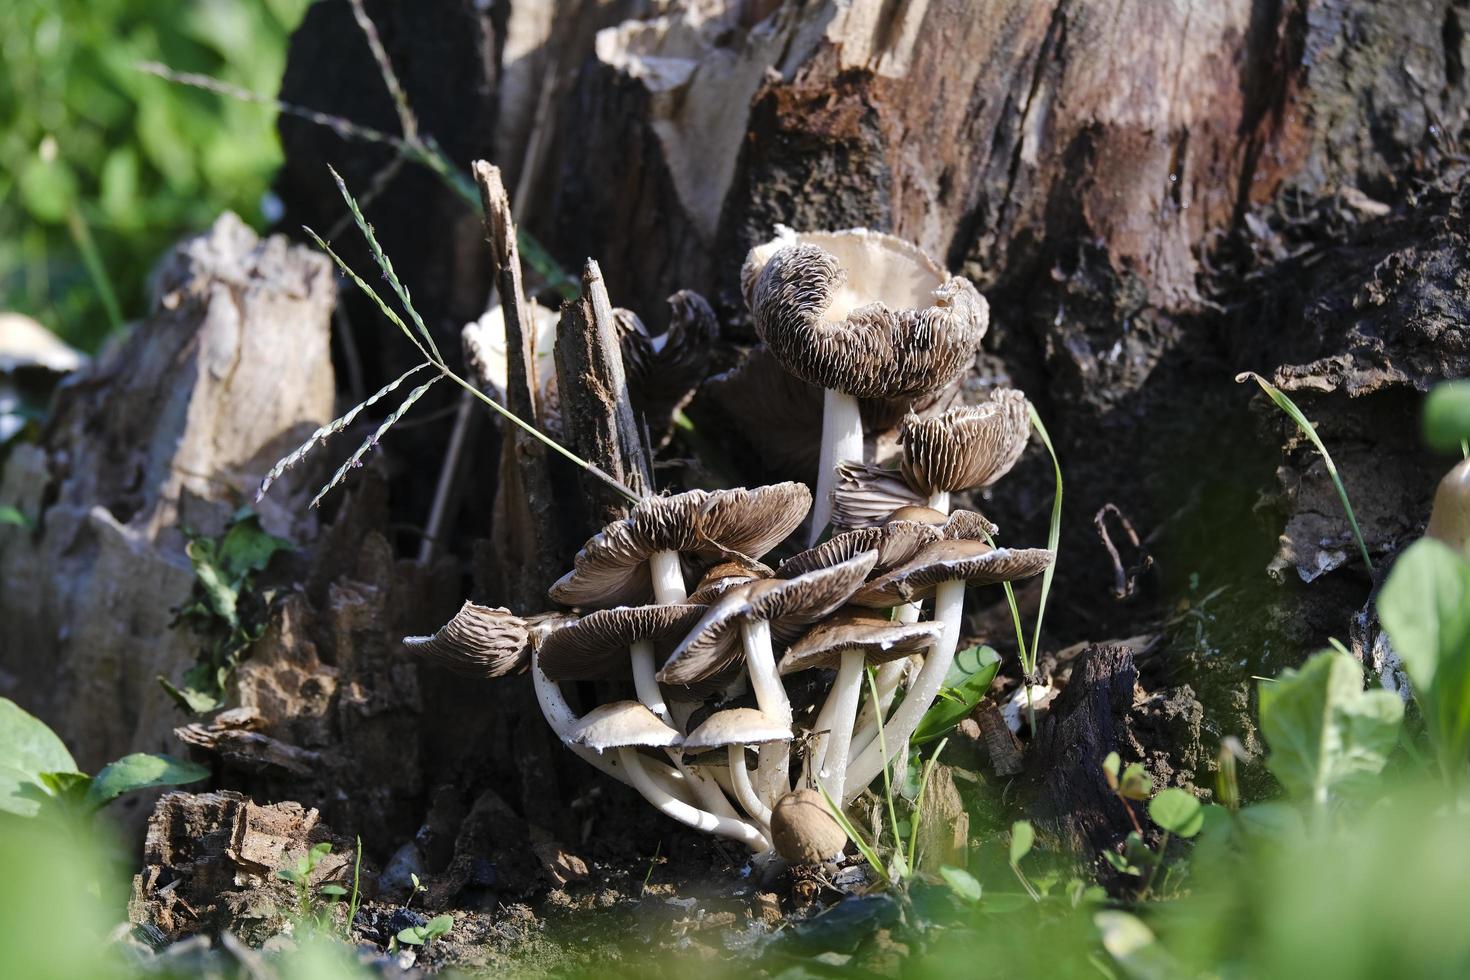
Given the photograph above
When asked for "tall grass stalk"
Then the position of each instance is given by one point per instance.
(1310, 431)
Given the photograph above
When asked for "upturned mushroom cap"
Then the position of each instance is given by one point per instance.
(966, 447)
(878, 638)
(1449, 519)
(597, 644)
(735, 726)
(803, 830)
(944, 561)
(896, 543)
(622, 724)
(612, 567)
(723, 577)
(713, 643)
(478, 642)
(864, 313)
(866, 494)
(664, 370)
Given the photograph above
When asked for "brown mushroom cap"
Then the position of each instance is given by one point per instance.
(1449, 518)
(612, 567)
(622, 724)
(478, 642)
(877, 637)
(735, 726)
(723, 577)
(597, 644)
(896, 543)
(663, 371)
(713, 644)
(944, 561)
(865, 314)
(966, 447)
(866, 494)
(803, 830)
(956, 524)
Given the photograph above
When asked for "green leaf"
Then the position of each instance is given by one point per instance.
(141, 770)
(190, 697)
(27, 750)
(1133, 947)
(221, 594)
(433, 929)
(1110, 766)
(1177, 812)
(961, 882)
(1022, 837)
(1425, 606)
(1327, 735)
(1135, 783)
(1447, 416)
(968, 680)
(1120, 863)
(246, 547)
(334, 891)
(13, 515)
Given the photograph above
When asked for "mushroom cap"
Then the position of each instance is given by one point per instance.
(622, 724)
(597, 644)
(866, 494)
(612, 567)
(735, 726)
(803, 829)
(956, 524)
(896, 543)
(794, 603)
(25, 344)
(877, 637)
(721, 578)
(478, 642)
(945, 561)
(1449, 518)
(663, 370)
(865, 313)
(966, 447)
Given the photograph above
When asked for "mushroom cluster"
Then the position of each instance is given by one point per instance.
(677, 598)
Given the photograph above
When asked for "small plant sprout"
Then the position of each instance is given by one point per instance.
(1023, 837)
(309, 910)
(439, 925)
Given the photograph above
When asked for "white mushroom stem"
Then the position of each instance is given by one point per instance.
(745, 793)
(707, 789)
(846, 691)
(692, 816)
(949, 604)
(668, 578)
(773, 767)
(886, 681)
(939, 500)
(644, 682)
(842, 438)
(562, 719)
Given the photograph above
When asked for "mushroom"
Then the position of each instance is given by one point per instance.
(803, 830)
(721, 578)
(964, 448)
(863, 315)
(478, 642)
(850, 640)
(865, 494)
(1449, 518)
(735, 729)
(636, 559)
(663, 371)
(748, 611)
(626, 726)
(943, 570)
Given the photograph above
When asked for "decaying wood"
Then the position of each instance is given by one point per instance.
(173, 428)
(1001, 746)
(942, 823)
(596, 409)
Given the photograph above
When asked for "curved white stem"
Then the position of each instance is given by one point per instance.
(668, 578)
(949, 604)
(644, 683)
(745, 793)
(821, 729)
(707, 789)
(562, 719)
(842, 438)
(691, 816)
(774, 765)
(939, 500)
(888, 677)
(846, 690)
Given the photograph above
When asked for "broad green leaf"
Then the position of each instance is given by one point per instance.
(1110, 767)
(438, 926)
(27, 750)
(961, 882)
(1177, 812)
(141, 770)
(13, 515)
(1135, 783)
(968, 680)
(191, 697)
(1022, 837)
(1327, 736)
(221, 593)
(1425, 606)
(1447, 416)
(332, 891)
(1134, 948)
(246, 547)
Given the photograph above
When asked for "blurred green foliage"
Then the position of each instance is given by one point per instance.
(103, 166)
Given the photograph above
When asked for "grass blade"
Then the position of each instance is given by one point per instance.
(1053, 537)
(868, 851)
(1295, 414)
(355, 460)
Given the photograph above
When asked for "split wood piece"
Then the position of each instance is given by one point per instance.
(596, 408)
(1001, 744)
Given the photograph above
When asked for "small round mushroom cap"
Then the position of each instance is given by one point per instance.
(1449, 518)
(622, 724)
(966, 447)
(478, 642)
(795, 603)
(957, 524)
(945, 561)
(597, 644)
(723, 577)
(866, 314)
(612, 567)
(878, 638)
(735, 726)
(803, 830)
(896, 543)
